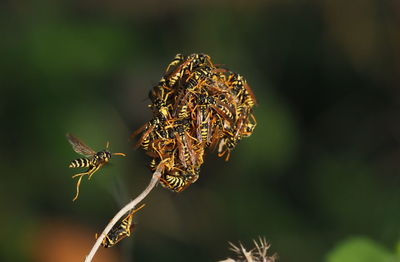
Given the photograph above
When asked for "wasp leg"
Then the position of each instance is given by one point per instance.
(227, 152)
(77, 188)
(93, 170)
(158, 152)
(228, 155)
(82, 174)
(89, 172)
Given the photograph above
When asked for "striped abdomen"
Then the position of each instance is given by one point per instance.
(183, 113)
(80, 162)
(145, 143)
(203, 125)
(117, 233)
(153, 164)
(175, 183)
(178, 59)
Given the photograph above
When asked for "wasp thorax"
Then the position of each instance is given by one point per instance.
(103, 155)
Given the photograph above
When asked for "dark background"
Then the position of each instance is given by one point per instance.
(319, 178)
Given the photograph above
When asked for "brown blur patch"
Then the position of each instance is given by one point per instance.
(65, 241)
(355, 26)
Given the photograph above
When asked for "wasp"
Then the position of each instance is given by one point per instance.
(174, 177)
(192, 61)
(147, 130)
(153, 164)
(194, 81)
(121, 230)
(159, 96)
(93, 160)
(249, 126)
(197, 60)
(203, 119)
(176, 74)
(200, 60)
(223, 109)
(245, 125)
(217, 132)
(179, 58)
(183, 105)
(226, 146)
(184, 143)
(183, 112)
(166, 162)
(249, 97)
(174, 183)
(242, 90)
(180, 180)
(199, 74)
(223, 112)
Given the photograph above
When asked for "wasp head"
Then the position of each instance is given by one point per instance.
(202, 99)
(104, 155)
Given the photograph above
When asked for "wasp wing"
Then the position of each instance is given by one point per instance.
(79, 146)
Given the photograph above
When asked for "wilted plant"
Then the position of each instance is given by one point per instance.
(259, 253)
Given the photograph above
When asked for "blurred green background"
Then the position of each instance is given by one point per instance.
(319, 178)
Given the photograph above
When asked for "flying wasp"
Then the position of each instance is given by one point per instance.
(121, 230)
(93, 160)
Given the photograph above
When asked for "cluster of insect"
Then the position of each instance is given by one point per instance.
(196, 106)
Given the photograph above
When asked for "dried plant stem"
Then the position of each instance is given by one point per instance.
(131, 205)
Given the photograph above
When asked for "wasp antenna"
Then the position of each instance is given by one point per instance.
(118, 154)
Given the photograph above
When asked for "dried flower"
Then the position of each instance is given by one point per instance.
(257, 254)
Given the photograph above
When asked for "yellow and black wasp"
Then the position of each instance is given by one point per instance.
(93, 160)
(181, 64)
(175, 183)
(179, 58)
(203, 119)
(184, 143)
(121, 230)
(179, 180)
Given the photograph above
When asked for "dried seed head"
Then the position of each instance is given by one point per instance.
(259, 253)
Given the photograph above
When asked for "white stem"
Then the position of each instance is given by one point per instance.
(131, 205)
